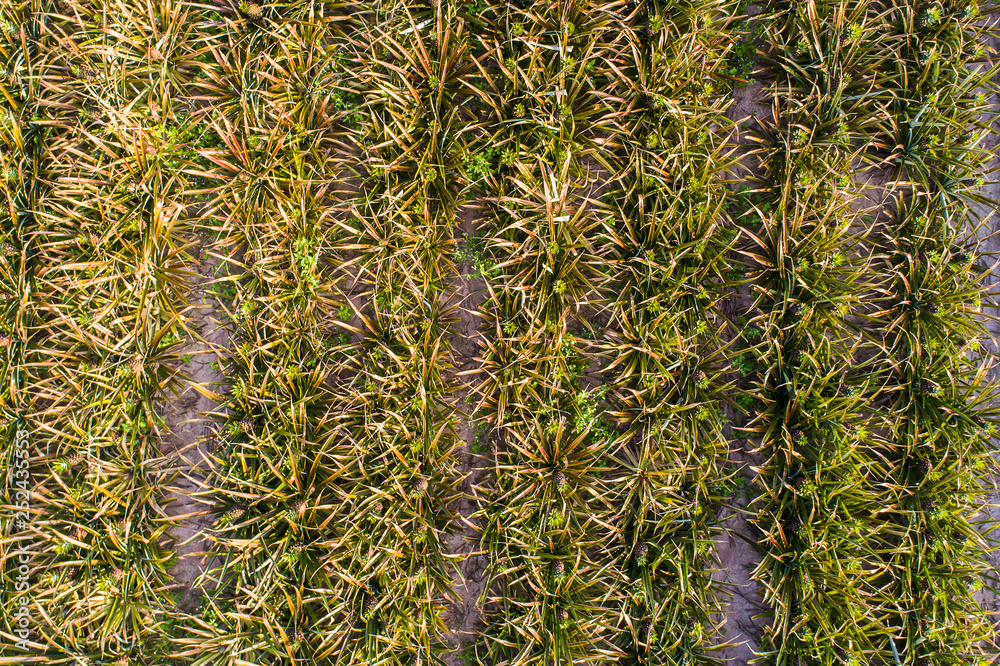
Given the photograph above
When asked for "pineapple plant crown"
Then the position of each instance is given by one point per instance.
(700, 379)
(235, 512)
(135, 364)
(969, 11)
(370, 605)
(793, 525)
(251, 10)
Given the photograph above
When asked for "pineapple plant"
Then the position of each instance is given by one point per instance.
(641, 553)
(135, 364)
(251, 10)
(560, 481)
(235, 512)
(420, 486)
(370, 607)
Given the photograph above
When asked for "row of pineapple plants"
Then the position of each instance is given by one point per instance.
(861, 84)
(543, 507)
(810, 270)
(400, 400)
(668, 239)
(20, 152)
(270, 467)
(935, 465)
(94, 216)
(597, 517)
(334, 473)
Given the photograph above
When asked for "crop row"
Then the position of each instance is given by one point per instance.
(871, 437)
(605, 255)
(334, 467)
(92, 297)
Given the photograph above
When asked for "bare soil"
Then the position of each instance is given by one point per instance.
(189, 430)
(467, 295)
(735, 548)
(990, 249)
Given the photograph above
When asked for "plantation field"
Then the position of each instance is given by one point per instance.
(505, 333)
